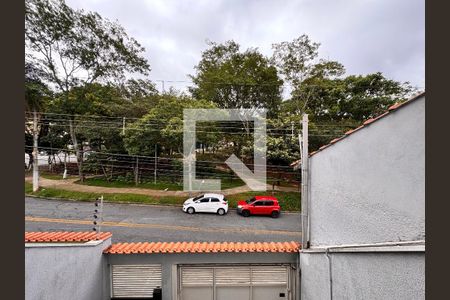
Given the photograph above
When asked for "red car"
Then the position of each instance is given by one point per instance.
(259, 205)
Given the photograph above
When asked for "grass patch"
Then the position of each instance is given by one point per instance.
(161, 185)
(113, 197)
(124, 184)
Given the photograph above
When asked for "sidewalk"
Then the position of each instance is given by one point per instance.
(70, 185)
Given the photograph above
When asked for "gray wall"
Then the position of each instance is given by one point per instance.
(170, 261)
(363, 276)
(65, 272)
(370, 186)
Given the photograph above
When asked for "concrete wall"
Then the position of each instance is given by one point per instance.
(370, 186)
(56, 271)
(363, 276)
(169, 264)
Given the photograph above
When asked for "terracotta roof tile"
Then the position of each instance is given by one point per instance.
(64, 236)
(201, 247)
(349, 132)
(395, 106)
(368, 121)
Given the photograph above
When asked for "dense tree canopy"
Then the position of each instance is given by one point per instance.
(234, 79)
(75, 47)
(163, 125)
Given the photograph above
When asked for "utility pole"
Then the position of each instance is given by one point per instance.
(190, 173)
(123, 126)
(305, 174)
(136, 172)
(162, 83)
(156, 164)
(98, 216)
(35, 153)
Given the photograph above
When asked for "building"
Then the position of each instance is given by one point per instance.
(367, 211)
(82, 265)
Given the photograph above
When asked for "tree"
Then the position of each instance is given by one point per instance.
(75, 48)
(139, 97)
(298, 62)
(36, 94)
(163, 125)
(334, 102)
(234, 79)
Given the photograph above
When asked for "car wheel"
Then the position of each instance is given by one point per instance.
(221, 211)
(246, 213)
(275, 214)
(191, 210)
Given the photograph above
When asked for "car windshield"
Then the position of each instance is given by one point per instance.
(198, 197)
(250, 200)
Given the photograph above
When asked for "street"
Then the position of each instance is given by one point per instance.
(134, 223)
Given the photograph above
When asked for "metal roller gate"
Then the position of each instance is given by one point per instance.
(237, 282)
(135, 281)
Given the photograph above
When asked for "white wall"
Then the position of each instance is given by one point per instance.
(395, 276)
(370, 186)
(65, 272)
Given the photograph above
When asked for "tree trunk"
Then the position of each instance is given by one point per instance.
(78, 153)
(30, 161)
(35, 153)
(65, 166)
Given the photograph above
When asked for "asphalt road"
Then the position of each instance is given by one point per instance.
(134, 223)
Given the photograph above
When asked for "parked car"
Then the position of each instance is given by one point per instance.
(259, 205)
(212, 203)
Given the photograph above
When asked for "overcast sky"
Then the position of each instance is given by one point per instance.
(364, 35)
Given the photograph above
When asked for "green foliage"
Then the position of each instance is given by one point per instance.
(234, 79)
(37, 93)
(297, 61)
(74, 47)
(334, 102)
(163, 125)
(349, 98)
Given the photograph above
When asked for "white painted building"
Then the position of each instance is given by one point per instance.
(367, 211)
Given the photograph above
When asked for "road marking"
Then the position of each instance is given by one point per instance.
(161, 226)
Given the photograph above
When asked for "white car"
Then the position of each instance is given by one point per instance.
(212, 203)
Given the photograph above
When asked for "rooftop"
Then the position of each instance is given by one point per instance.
(65, 236)
(202, 247)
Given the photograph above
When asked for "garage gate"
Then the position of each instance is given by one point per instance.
(237, 282)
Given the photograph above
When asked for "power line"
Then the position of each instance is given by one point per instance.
(286, 127)
(268, 83)
(150, 158)
(197, 131)
(120, 119)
